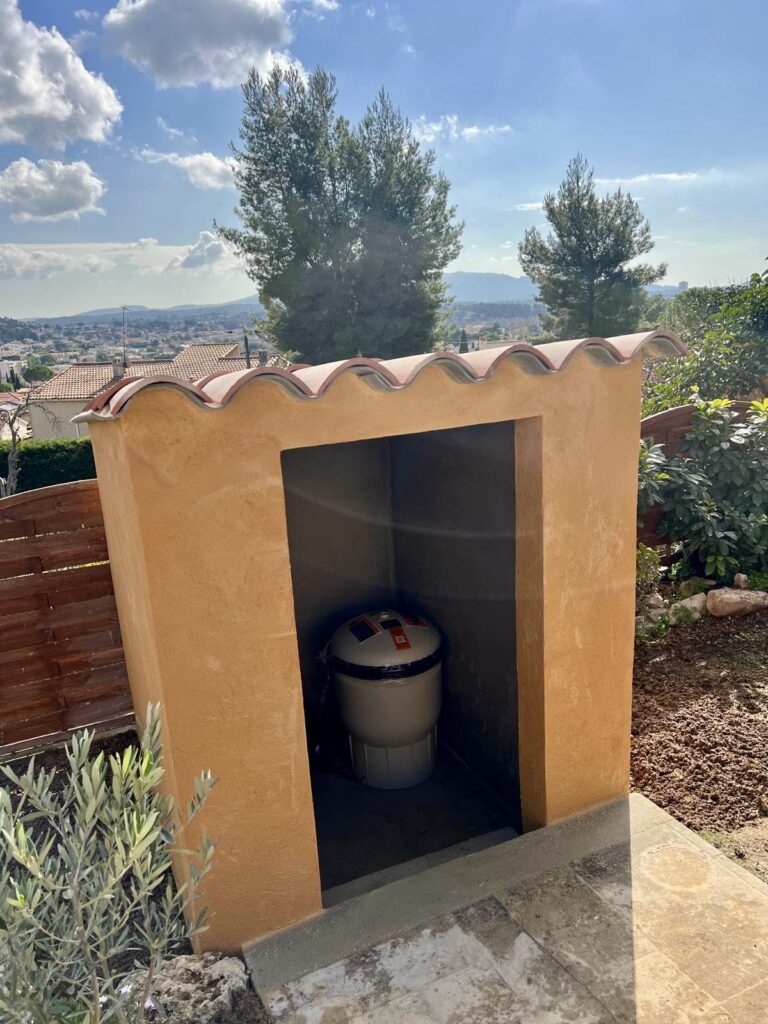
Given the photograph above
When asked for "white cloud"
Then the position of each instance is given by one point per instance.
(50, 190)
(666, 177)
(25, 263)
(85, 15)
(528, 207)
(47, 95)
(210, 252)
(175, 133)
(21, 263)
(186, 42)
(683, 209)
(447, 127)
(204, 170)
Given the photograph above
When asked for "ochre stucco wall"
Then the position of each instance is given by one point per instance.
(194, 509)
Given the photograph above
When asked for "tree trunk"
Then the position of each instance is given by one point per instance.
(590, 309)
(11, 481)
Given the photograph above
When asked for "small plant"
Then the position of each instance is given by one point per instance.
(757, 581)
(648, 571)
(683, 617)
(86, 892)
(647, 630)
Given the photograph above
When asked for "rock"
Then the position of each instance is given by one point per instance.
(692, 606)
(655, 600)
(735, 602)
(762, 805)
(695, 585)
(655, 614)
(195, 989)
(740, 581)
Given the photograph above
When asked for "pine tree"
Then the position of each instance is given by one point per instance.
(463, 346)
(346, 229)
(583, 266)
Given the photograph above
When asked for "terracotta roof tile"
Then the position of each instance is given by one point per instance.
(83, 381)
(216, 389)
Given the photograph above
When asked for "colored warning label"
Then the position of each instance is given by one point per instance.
(363, 629)
(400, 638)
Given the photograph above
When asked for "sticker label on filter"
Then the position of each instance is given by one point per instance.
(400, 638)
(363, 629)
(414, 620)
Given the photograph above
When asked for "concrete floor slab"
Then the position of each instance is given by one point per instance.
(619, 915)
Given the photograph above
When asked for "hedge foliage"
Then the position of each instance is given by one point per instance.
(59, 461)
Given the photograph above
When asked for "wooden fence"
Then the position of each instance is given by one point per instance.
(669, 428)
(61, 655)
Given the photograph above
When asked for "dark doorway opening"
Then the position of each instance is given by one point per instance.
(424, 523)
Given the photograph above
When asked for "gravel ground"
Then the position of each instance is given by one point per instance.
(700, 723)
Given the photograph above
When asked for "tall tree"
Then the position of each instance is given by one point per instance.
(584, 266)
(346, 228)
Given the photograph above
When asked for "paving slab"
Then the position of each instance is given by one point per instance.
(619, 915)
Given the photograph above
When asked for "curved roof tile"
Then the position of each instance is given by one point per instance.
(215, 390)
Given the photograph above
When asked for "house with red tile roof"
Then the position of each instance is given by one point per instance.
(54, 402)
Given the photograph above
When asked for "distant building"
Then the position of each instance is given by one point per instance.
(10, 402)
(56, 401)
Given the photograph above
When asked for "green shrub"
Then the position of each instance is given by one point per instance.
(758, 581)
(647, 630)
(85, 884)
(59, 461)
(726, 331)
(648, 571)
(714, 495)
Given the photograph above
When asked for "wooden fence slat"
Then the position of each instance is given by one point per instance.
(11, 529)
(15, 663)
(60, 499)
(49, 590)
(62, 665)
(27, 628)
(52, 551)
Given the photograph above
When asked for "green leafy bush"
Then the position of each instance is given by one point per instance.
(714, 495)
(86, 889)
(758, 581)
(648, 571)
(59, 461)
(726, 331)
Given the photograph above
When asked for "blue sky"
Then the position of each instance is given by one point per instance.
(116, 118)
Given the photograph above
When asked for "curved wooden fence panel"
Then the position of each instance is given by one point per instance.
(670, 427)
(61, 655)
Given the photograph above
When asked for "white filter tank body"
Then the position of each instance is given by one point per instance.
(387, 672)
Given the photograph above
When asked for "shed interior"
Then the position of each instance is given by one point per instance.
(423, 523)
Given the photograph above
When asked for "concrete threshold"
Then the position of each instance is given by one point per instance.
(618, 916)
(395, 873)
(358, 923)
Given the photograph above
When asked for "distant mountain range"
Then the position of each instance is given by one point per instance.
(464, 286)
(468, 287)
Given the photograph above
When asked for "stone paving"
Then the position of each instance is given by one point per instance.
(657, 929)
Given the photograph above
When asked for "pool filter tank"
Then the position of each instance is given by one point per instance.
(387, 673)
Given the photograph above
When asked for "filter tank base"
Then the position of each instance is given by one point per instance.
(394, 767)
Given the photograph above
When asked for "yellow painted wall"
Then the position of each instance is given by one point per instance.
(195, 516)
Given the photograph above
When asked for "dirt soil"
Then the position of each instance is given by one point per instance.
(700, 727)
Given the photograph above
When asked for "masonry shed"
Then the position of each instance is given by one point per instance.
(249, 513)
